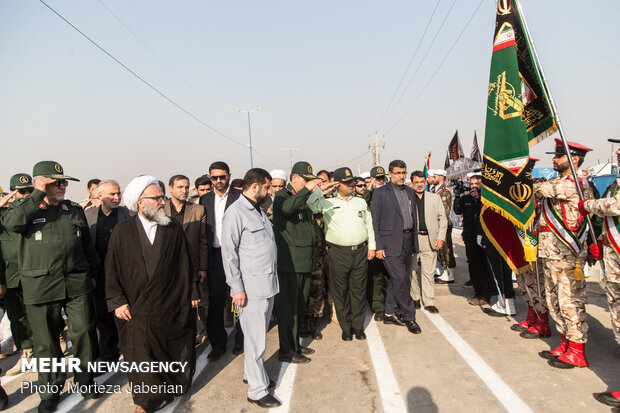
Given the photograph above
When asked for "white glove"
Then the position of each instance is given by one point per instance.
(479, 240)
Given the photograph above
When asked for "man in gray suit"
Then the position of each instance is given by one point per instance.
(432, 227)
(249, 258)
(101, 221)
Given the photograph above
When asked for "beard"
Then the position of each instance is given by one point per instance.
(157, 215)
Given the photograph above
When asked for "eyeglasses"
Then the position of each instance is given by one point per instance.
(60, 182)
(360, 186)
(25, 191)
(155, 198)
(219, 177)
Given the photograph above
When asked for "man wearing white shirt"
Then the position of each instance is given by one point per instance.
(216, 203)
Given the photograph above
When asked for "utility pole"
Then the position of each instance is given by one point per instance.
(290, 150)
(376, 158)
(249, 131)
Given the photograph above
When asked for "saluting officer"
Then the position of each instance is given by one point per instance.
(56, 263)
(21, 186)
(351, 243)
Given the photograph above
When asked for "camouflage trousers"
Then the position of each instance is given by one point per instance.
(527, 283)
(316, 298)
(612, 288)
(566, 298)
(446, 254)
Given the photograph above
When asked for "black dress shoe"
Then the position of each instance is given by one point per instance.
(216, 353)
(347, 336)
(393, 319)
(238, 349)
(91, 394)
(467, 283)
(317, 335)
(431, 309)
(546, 354)
(413, 327)
(494, 313)
(359, 334)
(416, 304)
(379, 316)
(4, 399)
(440, 281)
(48, 405)
(272, 384)
(607, 398)
(306, 350)
(292, 357)
(267, 401)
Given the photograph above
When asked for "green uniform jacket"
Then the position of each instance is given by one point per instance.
(9, 247)
(294, 231)
(55, 256)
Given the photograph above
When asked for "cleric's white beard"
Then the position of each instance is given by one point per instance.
(157, 215)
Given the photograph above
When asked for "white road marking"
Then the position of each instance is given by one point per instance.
(284, 387)
(386, 381)
(501, 390)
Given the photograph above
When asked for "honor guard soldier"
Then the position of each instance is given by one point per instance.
(532, 287)
(56, 263)
(21, 186)
(561, 241)
(351, 243)
(446, 254)
(608, 207)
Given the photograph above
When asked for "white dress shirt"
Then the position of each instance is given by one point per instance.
(149, 227)
(220, 207)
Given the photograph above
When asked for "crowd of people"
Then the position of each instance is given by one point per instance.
(131, 273)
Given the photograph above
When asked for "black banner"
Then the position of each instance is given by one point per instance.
(502, 182)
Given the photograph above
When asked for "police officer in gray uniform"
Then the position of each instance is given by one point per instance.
(56, 262)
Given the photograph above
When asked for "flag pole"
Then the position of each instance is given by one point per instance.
(560, 130)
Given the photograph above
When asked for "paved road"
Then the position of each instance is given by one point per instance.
(463, 361)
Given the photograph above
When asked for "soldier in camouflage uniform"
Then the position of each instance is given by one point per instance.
(561, 239)
(316, 297)
(446, 254)
(608, 207)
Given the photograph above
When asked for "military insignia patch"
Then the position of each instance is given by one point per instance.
(38, 236)
(23, 179)
(359, 214)
(42, 206)
(380, 170)
(64, 207)
(58, 168)
(309, 169)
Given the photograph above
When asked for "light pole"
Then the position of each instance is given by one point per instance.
(249, 130)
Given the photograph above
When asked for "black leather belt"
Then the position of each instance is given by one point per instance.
(422, 232)
(351, 248)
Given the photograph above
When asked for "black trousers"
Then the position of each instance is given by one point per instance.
(398, 298)
(377, 283)
(478, 270)
(348, 273)
(107, 334)
(216, 279)
(501, 270)
(16, 312)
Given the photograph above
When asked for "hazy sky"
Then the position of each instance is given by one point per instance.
(323, 71)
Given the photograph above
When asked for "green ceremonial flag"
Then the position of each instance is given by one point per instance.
(519, 115)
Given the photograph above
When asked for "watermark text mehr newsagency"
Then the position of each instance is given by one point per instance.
(72, 365)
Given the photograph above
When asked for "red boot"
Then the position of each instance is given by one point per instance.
(610, 399)
(574, 357)
(530, 319)
(558, 351)
(540, 329)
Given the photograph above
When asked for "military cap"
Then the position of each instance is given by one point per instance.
(51, 169)
(534, 159)
(576, 149)
(613, 140)
(304, 170)
(377, 171)
(20, 181)
(343, 175)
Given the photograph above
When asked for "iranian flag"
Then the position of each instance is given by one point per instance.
(519, 115)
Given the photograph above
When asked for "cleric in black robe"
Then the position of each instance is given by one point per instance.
(151, 286)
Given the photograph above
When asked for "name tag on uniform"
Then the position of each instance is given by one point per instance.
(38, 236)
(39, 221)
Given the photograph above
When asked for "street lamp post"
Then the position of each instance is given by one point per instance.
(249, 130)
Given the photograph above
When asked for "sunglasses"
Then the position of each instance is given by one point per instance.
(155, 198)
(60, 182)
(25, 191)
(360, 186)
(219, 178)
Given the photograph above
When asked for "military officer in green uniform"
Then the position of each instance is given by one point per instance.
(56, 264)
(294, 232)
(21, 187)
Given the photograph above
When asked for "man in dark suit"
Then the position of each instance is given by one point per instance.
(193, 218)
(101, 221)
(394, 218)
(215, 204)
